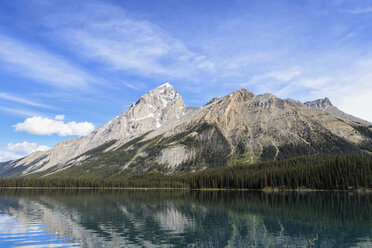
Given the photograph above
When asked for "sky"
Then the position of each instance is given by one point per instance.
(67, 67)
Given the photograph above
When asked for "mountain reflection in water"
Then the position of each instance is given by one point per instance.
(181, 218)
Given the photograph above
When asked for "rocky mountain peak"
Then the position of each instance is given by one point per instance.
(241, 95)
(164, 90)
(158, 105)
(163, 94)
(321, 104)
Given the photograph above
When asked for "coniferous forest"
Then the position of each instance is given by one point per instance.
(339, 172)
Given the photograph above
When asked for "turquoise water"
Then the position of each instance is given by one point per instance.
(161, 218)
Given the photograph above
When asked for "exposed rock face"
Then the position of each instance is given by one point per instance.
(265, 120)
(326, 106)
(174, 155)
(159, 133)
(151, 111)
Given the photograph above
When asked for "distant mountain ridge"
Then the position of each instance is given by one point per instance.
(159, 133)
(326, 106)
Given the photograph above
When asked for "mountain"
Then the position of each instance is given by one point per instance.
(6, 170)
(158, 133)
(2, 164)
(326, 106)
(149, 112)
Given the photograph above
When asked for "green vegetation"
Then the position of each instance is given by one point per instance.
(324, 143)
(138, 155)
(318, 163)
(210, 146)
(335, 172)
(341, 172)
(103, 164)
(206, 147)
(366, 132)
(98, 149)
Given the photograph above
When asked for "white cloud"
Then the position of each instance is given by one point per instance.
(45, 126)
(40, 65)
(59, 117)
(18, 150)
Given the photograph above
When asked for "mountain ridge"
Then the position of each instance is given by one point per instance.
(158, 132)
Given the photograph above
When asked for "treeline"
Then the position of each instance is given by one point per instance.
(144, 180)
(335, 172)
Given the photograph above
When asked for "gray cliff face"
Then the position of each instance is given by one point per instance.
(151, 111)
(326, 106)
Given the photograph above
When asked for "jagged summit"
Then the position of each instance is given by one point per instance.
(154, 108)
(166, 85)
(164, 89)
(161, 92)
(238, 95)
(321, 104)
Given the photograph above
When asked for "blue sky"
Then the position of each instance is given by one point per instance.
(69, 66)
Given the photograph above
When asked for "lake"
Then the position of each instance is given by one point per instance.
(182, 218)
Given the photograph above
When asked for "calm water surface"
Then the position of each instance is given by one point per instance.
(161, 218)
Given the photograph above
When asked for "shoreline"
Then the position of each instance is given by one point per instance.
(265, 190)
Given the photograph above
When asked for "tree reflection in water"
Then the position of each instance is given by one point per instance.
(181, 218)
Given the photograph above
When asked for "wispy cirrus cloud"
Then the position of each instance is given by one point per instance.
(21, 100)
(19, 111)
(104, 33)
(273, 81)
(40, 65)
(358, 11)
(282, 75)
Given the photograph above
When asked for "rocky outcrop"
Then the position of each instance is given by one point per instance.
(322, 104)
(173, 156)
